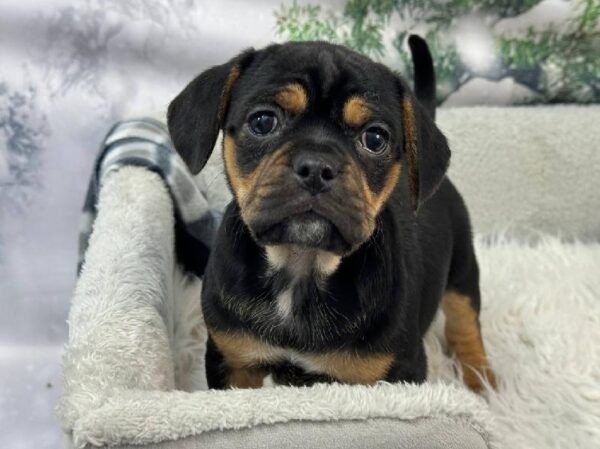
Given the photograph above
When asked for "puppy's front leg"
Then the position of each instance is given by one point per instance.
(409, 367)
(228, 363)
(246, 377)
(463, 334)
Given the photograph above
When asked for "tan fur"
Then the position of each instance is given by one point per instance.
(233, 76)
(464, 339)
(327, 262)
(245, 186)
(292, 98)
(244, 352)
(352, 177)
(410, 132)
(249, 189)
(356, 111)
(376, 200)
(241, 350)
(277, 255)
(246, 378)
(235, 177)
(353, 368)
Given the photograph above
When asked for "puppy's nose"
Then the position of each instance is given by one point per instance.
(314, 173)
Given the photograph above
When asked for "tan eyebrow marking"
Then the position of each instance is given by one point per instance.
(293, 98)
(356, 111)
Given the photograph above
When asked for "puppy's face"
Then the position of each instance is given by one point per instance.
(316, 138)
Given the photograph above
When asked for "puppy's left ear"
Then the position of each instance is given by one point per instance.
(426, 150)
(197, 114)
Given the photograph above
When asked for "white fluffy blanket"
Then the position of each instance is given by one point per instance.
(541, 325)
(136, 333)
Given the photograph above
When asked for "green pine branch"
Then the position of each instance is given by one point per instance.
(559, 64)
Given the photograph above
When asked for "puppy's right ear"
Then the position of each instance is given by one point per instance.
(196, 115)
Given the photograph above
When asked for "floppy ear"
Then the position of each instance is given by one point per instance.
(426, 149)
(196, 115)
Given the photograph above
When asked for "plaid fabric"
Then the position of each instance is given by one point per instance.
(146, 143)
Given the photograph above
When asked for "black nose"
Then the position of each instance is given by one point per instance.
(314, 173)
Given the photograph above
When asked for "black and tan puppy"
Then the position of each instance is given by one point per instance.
(344, 235)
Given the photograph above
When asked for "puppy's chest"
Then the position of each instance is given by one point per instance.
(297, 298)
(299, 311)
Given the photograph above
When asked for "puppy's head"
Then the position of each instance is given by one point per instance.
(316, 139)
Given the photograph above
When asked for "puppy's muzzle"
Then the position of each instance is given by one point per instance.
(307, 196)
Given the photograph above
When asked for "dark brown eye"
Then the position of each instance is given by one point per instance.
(263, 122)
(375, 139)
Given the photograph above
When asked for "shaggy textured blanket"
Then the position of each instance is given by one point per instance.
(541, 325)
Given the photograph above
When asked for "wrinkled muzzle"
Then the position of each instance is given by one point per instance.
(309, 198)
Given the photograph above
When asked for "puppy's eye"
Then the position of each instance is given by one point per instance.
(263, 122)
(375, 139)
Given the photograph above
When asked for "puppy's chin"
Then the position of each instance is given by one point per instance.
(307, 229)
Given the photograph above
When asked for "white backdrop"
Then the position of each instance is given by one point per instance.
(68, 70)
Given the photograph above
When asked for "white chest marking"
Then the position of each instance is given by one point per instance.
(285, 303)
(302, 262)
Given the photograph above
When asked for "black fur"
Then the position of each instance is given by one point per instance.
(194, 117)
(424, 75)
(385, 292)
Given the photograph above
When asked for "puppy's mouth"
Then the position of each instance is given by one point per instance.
(307, 229)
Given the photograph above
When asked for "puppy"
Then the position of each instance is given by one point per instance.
(344, 235)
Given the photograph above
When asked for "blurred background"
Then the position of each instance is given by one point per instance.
(69, 69)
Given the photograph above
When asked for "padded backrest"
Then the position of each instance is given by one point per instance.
(528, 169)
(521, 170)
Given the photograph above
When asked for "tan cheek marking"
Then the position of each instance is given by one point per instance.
(464, 339)
(410, 132)
(376, 200)
(292, 98)
(244, 185)
(388, 187)
(372, 202)
(356, 112)
(355, 182)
